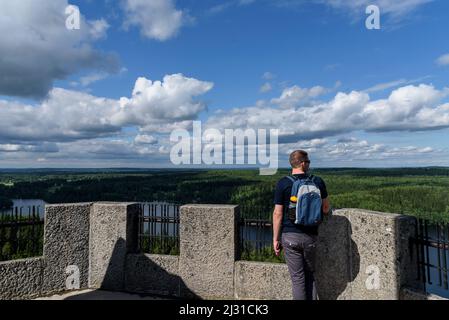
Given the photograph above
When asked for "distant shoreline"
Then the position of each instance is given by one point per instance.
(107, 170)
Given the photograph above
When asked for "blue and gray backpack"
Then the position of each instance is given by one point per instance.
(305, 202)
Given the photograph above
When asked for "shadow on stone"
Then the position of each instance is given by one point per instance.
(156, 274)
(139, 275)
(110, 295)
(338, 259)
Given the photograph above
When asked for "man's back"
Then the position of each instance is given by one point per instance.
(282, 197)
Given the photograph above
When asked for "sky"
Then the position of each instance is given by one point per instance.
(111, 92)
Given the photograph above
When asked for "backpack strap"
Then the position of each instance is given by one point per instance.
(308, 177)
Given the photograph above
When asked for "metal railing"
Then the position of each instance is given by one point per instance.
(159, 228)
(432, 250)
(159, 231)
(21, 232)
(256, 234)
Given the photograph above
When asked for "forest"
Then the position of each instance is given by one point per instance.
(421, 192)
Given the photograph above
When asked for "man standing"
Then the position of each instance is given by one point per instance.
(298, 241)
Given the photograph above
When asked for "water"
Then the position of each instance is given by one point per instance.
(437, 257)
(161, 209)
(25, 207)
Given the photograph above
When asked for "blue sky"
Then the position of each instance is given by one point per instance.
(349, 95)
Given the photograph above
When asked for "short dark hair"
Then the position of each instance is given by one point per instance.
(297, 157)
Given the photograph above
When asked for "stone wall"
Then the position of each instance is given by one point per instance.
(361, 255)
(153, 274)
(66, 243)
(208, 249)
(21, 278)
(256, 280)
(113, 234)
(365, 255)
(86, 240)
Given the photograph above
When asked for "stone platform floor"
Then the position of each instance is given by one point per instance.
(100, 295)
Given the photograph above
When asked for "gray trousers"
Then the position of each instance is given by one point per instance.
(299, 252)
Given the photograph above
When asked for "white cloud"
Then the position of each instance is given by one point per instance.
(64, 115)
(108, 148)
(99, 29)
(349, 150)
(443, 60)
(157, 19)
(294, 96)
(37, 48)
(407, 108)
(169, 100)
(219, 8)
(355, 149)
(268, 76)
(392, 84)
(34, 148)
(386, 85)
(145, 139)
(68, 115)
(91, 78)
(167, 127)
(266, 87)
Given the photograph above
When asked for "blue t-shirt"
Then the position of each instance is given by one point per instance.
(282, 197)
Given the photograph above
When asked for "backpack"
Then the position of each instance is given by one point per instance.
(305, 202)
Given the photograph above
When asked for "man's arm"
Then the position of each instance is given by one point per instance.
(277, 223)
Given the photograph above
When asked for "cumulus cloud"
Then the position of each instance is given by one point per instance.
(108, 148)
(407, 108)
(68, 115)
(86, 153)
(157, 19)
(171, 99)
(64, 115)
(355, 150)
(37, 48)
(34, 148)
(294, 96)
(145, 139)
(348, 150)
(99, 28)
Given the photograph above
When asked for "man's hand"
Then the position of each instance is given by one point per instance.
(326, 206)
(277, 247)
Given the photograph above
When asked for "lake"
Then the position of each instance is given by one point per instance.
(25, 207)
